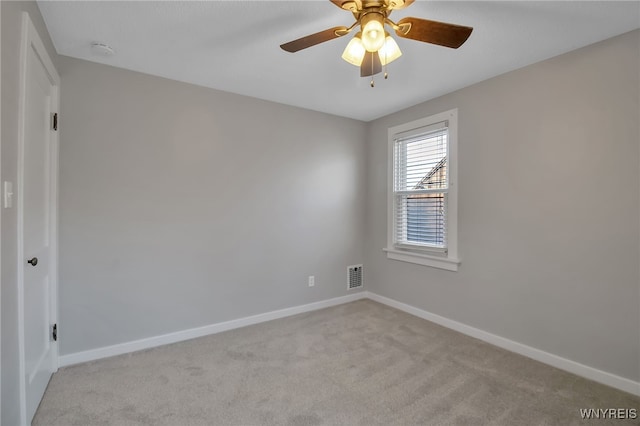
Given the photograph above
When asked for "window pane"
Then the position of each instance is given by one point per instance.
(421, 219)
(421, 162)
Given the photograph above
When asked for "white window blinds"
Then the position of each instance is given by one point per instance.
(420, 187)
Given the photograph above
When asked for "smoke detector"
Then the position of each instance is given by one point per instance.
(101, 49)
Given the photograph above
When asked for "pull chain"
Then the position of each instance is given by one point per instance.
(372, 82)
(386, 74)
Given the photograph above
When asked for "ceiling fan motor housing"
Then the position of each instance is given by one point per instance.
(360, 5)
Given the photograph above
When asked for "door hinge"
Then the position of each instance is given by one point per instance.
(54, 121)
(54, 332)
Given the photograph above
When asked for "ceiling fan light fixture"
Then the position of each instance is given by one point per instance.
(390, 51)
(354, 52)
(373, 48)
(373, 33)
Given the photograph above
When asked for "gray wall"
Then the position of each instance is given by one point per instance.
(182, 206)
(548, 208)
(11, 27)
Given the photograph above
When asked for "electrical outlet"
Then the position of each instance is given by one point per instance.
(312, 280)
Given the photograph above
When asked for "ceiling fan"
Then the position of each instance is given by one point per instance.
(372, 47)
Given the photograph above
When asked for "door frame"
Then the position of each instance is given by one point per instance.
(31, 40)
(1, 218)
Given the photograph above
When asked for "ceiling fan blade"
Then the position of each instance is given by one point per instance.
(370, 64)
(313, 39)
(441, 33)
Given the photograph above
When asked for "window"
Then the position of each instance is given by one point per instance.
(422, 192)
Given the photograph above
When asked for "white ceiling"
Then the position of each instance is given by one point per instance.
(234, 45)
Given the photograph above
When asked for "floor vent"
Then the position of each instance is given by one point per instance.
(354, 277)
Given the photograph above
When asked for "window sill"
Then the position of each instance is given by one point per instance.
(423, 259)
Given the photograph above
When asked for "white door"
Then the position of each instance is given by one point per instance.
(36, 193)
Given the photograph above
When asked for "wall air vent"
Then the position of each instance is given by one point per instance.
(354, 277)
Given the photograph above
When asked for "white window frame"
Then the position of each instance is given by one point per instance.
(436, 258)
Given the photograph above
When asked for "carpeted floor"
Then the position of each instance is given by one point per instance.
(356, 364)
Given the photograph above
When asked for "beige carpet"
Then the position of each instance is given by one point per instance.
(356, 364)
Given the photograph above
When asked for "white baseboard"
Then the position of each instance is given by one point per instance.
(594, 374)
(179, 336)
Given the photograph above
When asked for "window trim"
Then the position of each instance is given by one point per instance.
(437, 258)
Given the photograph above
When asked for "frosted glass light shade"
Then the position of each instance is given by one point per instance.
(354, 52)
(390, 51)
(373, 33)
